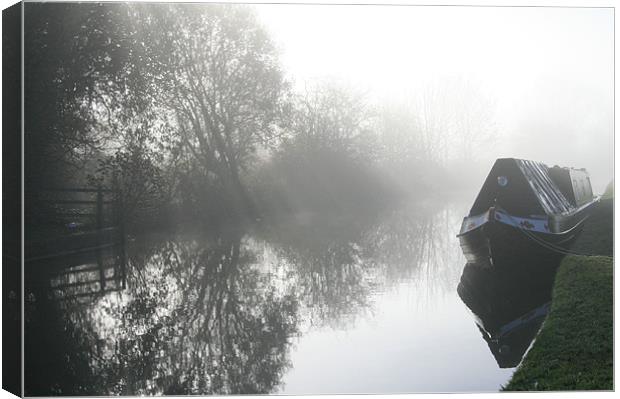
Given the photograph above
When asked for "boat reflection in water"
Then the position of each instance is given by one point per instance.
(510, 303)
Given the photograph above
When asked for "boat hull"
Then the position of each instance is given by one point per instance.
(526, 210)
(494, 243)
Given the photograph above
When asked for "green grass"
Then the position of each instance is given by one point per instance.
(574, 349)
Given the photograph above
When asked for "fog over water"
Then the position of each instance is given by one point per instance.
(546, 72)
(261, 199)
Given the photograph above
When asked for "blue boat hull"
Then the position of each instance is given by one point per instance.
(495, 238)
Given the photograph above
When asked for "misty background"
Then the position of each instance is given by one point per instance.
(217, 112)
(544, 75)
(273, 178)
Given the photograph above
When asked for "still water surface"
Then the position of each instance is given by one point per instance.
(314, 305)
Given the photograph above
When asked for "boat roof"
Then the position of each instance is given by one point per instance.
(528, 189)
(549, 195)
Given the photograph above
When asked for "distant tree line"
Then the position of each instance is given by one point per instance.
(186, 111)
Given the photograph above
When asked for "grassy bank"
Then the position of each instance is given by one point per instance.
(574, 349)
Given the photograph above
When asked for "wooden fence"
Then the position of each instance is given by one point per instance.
(73, 220)
(77, 246)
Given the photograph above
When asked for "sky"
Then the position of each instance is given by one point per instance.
(548, 71)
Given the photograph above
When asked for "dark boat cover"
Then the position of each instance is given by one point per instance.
(574, 184)
(548, 193)
(523, 188)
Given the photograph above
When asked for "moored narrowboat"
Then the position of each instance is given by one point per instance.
(525, 210)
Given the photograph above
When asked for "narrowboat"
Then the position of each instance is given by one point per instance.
(526, 210)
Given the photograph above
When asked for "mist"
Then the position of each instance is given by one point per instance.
(216, 194)
(545, 74)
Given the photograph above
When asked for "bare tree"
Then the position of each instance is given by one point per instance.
(329, 117)
(445, 121)
(473, 124)
(458, 117)
(403, 136)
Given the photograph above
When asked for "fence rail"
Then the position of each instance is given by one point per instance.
(52, 201)
(80, 190)
(71, 220)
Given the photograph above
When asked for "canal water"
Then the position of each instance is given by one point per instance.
(308, 306)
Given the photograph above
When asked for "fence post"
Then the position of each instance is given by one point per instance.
(99, 208)
(100, 265)
(120, 225)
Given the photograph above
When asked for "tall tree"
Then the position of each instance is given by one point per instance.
(74, 55)
(221, 79)
(82, 93)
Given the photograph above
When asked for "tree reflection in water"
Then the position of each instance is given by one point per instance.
(338, 268)
(417, 244)
(196, 317)
(218, 315)
(334, 284)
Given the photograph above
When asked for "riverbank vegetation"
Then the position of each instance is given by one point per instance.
(597, 237)
(186, 112)
(574, 349)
